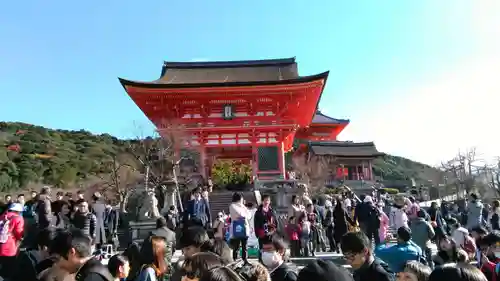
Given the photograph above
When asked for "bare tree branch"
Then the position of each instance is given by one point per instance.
(465, 169)
(313, 169)
(122, 180)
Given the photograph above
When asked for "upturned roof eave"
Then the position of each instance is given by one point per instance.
(158, 85)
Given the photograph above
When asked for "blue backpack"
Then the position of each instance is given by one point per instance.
(239, 228)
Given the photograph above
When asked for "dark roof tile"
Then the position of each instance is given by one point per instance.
(345, 149)
(238, 71)
(320, 118)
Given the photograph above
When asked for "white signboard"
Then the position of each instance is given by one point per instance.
(228, 112)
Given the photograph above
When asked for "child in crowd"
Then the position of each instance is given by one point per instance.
(305, 234)
(293, 232)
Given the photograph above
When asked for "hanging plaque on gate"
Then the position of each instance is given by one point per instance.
(228, 113)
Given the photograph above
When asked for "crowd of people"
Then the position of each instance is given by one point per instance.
(95, 217)
(66, 235)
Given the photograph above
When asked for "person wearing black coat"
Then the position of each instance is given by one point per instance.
(341, 219)
(112, 221)
(43, 209)
(356, 248)
(273, 258)
(85, 220)
(265, 222)
(197, 211)
(436, 216)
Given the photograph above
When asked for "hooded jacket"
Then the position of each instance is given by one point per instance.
(422, 232)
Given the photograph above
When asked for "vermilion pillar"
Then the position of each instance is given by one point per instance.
(281, 160)
(203, 160)
(255, 157)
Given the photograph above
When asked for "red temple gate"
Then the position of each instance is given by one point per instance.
(233, 110)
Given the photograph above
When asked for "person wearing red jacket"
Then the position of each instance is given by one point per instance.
(293, 231)
(11, 235)
(490, 256)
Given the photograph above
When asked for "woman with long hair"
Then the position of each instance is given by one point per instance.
(133, 254)
(341, 222)
(153, 264)
(63, 217)
(448, 252)
(295, 209)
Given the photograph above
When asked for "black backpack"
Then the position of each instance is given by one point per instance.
(290, 274)
(98, 269)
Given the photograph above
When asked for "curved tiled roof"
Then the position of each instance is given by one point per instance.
(320, 118)
(345, 149)
(228, 71)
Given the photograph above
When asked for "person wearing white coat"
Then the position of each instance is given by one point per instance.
(240, 227)
(400, 218)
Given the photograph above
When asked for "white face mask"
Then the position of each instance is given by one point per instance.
(270, 259)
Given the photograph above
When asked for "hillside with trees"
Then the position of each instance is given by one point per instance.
(32, 154)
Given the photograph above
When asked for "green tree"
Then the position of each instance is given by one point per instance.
(4, 157)
(66, 177)
(5, 182)
(45, 155)
(227, 172)
(11, 169)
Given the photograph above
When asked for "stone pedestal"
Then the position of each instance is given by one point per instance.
(139, 230)
(170, 199)
(149, 207)
(281, 197)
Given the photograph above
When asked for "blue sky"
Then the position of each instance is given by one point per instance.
(406, 73)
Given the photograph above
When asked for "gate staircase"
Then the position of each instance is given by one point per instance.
(220, 201)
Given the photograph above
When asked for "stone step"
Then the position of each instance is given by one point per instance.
(220, 200)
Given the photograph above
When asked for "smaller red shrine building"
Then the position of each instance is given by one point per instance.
(249, 110)
(353, 161)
